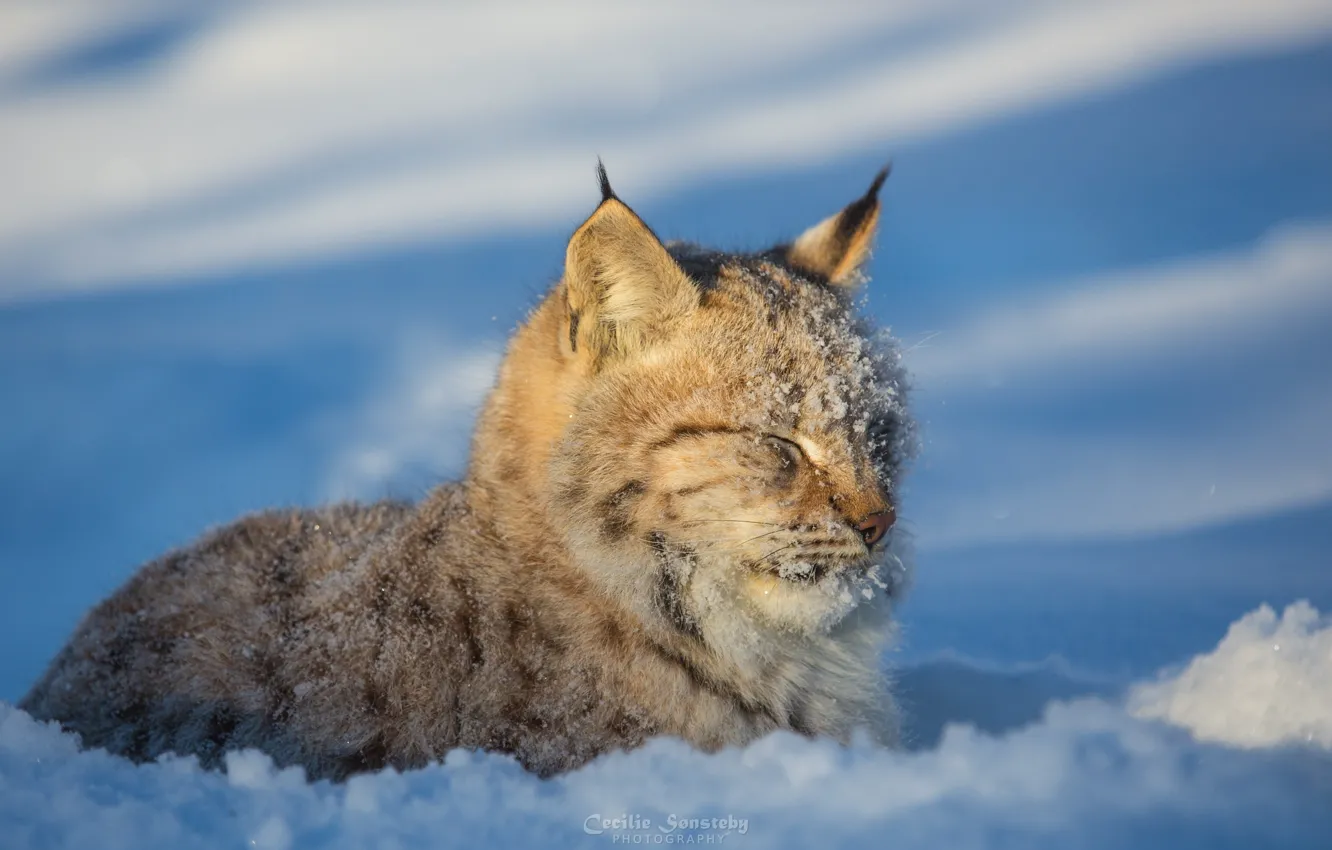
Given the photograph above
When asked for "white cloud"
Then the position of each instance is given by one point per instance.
(1087, 774)
(285, 130)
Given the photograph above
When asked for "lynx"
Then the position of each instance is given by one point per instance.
(677, 520)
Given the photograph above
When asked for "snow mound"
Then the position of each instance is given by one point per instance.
(1268, 682)
(1086, 774)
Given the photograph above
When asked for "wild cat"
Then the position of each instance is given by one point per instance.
(677, 519)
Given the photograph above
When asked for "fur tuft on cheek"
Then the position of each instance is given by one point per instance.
(814, 608)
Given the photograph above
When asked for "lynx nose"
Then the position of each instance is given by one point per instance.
(875, 526)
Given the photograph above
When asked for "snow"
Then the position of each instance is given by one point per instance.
(1268, 683)
(420, 421)
(1125, 386)
(1087, 773)
(1025, 479)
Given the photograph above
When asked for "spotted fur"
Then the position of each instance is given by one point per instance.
(659, 533)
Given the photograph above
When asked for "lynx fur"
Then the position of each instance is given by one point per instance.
(676, 520)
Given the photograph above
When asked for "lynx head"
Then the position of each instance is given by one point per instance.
(723, 434)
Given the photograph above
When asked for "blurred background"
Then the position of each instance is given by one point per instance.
(259, 254)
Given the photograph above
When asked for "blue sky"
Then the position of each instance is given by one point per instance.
(242, 269)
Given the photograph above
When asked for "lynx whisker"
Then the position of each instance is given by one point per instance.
(750, 521)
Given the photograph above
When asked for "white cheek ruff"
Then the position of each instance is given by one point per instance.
(814, 607)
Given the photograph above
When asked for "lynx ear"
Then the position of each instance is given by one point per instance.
(838, 246)
(621, 284)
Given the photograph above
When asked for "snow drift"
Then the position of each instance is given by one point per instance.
(1269, 682)
(1088, 773)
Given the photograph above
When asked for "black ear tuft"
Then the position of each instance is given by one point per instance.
(606, 191)
(854, 215)
(838, 247)
(874, 188)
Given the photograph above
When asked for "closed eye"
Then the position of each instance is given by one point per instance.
(788, 451)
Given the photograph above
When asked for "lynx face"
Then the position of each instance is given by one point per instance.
(736, 431)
